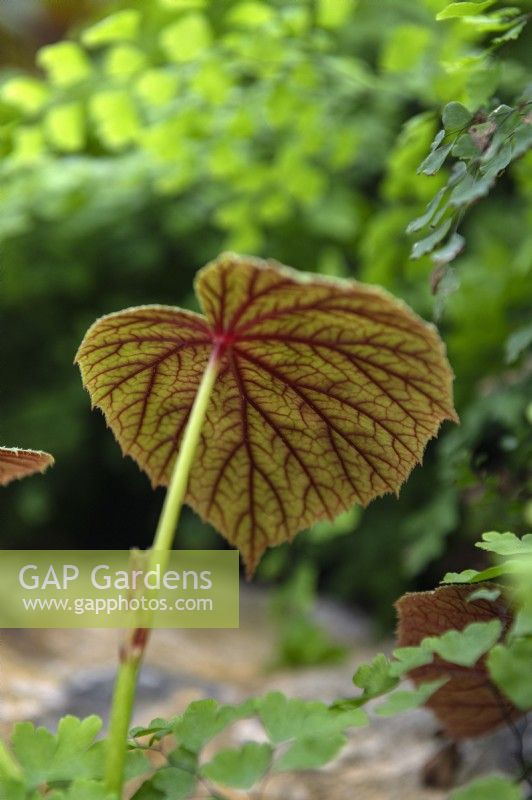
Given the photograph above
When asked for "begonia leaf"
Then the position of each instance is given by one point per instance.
(469, 704)
(326, 395)
(17, 463)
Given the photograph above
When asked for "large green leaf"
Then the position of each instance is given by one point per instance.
(327, 393)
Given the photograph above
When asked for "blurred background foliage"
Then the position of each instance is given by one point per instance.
(138, 139)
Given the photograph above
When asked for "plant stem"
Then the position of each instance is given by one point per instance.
(173, 502)
(132, 652)
(121, 711)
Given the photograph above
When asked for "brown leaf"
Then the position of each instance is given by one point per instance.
(16, 463)
(469, 704)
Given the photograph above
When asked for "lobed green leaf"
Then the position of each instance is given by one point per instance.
(484, 594)
(427, 244)
(465, 9)
(170, 783)
(407, 658)
(518, 343)
(435, 160)
(404, 700)
(453, 247)
(239, 768)
(82, 789)
(69, 754)
(121, 26)
(310, 752)
(465, 647)
(204, 719)
(375, 679)
(474, 576)
(506, 544)
(284, 719)
(510, 666)
(455, 117)
(423, 220)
